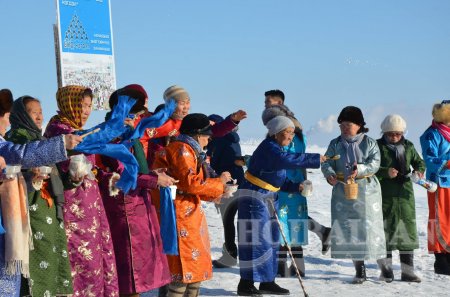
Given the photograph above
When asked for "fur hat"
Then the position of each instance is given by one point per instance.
(138, 94)
(279, 110)
(351, 114)
(441, 112)
(195, 124)
(176, 92)
(278, 124)
(393, 123)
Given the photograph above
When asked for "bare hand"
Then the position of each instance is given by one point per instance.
(392, 172)
(129, 122)
(163, 179)
(419, 174)
(225, 177)
(238, 116)
(2, 163)
(300, 187)
(72, 140)
(323, 158)
(332, 180)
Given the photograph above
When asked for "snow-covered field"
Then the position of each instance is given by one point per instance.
(326, 276)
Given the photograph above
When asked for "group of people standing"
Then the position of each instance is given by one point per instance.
(104, 221)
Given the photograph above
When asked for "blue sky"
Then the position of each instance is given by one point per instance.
(383, 56)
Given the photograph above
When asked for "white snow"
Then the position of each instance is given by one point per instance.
(326, 276)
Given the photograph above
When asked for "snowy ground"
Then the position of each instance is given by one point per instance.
(326, 276)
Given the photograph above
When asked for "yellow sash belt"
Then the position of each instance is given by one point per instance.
(260, 183)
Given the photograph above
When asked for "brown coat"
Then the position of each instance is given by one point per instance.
(193, 264)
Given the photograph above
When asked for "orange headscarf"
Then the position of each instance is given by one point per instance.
(69, 105)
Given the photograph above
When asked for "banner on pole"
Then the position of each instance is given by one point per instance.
(85, 54)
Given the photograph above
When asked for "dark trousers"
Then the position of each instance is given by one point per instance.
(228, 212)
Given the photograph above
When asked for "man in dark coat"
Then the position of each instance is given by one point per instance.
(223, 153)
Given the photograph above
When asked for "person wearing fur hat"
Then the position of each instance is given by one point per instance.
(288, 211)
(435, 142)
(265, 177)
(357, 224)
(185, 161)
(398, 156)
(135, 229)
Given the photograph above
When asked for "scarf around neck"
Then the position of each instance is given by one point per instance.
(442, 129)
(353, 154)
(399, 150)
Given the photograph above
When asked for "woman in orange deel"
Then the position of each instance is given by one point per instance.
(184, 160)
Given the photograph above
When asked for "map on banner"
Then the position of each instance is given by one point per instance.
(84, 47)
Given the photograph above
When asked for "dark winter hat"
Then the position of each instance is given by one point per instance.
(138, 88)
(195, 124)
(215, 118)
(6, 101)
(139, 95)
(351, 114)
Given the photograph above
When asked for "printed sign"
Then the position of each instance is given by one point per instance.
(85, 54)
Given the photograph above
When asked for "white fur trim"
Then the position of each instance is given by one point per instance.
(113, 190)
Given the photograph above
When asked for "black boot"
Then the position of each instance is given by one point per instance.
(441, 264)
(407, 265)
(326, 240)
(228, 259)
(283, 270)
(322, 232)
(162, 291)
(271, 288)
(360, 275)
(247, 288)
(297, 252)
(385, 265)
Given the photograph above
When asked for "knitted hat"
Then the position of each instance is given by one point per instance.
(6, 101)
(441, 112)
(278, 124)
(393, 123)
(176, 92)
(279, 110)
(195, 124)
(215, 118)
(351, 114)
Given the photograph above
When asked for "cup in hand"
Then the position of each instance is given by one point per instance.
(230, 190)
(307, 188)
(11, 171)
(45, 171)
(173, 192)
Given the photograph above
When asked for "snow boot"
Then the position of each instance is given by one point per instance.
(407, 265)
(385, 265)
(441, 264)
(283, 270)
(326, 240)
(228, 259)
(360, 275)
(271, 288)
(247, 288)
